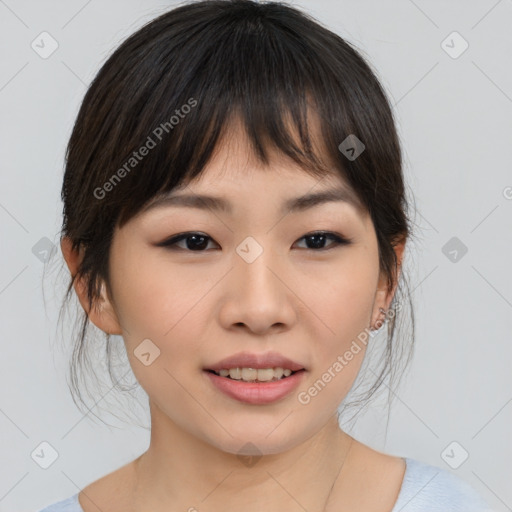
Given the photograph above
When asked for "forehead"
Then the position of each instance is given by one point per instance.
(235, 178)
(282, 186)
(235, 170)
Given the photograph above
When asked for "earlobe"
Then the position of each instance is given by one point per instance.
(383, 296)
(380, 308)
(102, 313)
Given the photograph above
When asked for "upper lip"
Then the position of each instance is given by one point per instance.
(257, 361)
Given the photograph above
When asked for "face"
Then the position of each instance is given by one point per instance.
(252, 278)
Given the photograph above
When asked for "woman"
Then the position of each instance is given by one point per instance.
(234, 208)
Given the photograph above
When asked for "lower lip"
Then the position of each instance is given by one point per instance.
(256, 392)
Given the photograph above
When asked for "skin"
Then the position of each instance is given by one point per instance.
(199, 307)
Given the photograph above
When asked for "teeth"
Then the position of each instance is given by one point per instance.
(235, 373)
(264, 374)
(248, 374)
(253, 374)
(279, 372)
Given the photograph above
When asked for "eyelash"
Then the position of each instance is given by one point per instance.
(171, 242)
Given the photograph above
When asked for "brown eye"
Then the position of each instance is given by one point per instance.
(195, 242)
(198, 242)
(317, 240)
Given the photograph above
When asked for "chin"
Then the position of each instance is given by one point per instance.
(250, 438)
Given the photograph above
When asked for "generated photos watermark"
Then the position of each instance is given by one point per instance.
(149, 144)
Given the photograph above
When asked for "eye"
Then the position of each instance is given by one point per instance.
(318, 238)
(198, 242)
(193, 241)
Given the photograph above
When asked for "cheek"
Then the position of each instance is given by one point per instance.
(343, 296)
(166, 306)
(152, 297)
(343, 306)
(161, 306)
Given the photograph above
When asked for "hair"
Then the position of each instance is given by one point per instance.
(191, 73)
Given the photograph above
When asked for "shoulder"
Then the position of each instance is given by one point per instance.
(70, 504)
(429, 488)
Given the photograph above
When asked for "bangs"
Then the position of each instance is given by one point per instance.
(186, 88)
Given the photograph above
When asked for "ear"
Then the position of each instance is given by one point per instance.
(383, 297)
(102, 314)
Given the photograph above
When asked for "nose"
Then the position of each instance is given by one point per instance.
(258, 295)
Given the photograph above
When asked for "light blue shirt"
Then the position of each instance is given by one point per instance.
(425, 488)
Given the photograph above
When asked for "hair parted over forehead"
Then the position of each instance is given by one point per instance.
(161, 104)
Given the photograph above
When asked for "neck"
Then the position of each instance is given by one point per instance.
(181, 472)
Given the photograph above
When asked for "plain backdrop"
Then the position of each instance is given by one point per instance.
(454, 112)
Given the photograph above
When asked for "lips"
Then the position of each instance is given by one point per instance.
(257, 361)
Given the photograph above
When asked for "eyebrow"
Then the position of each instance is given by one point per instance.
(296, 204)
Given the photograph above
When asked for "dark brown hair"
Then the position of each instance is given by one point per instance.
(180, 80)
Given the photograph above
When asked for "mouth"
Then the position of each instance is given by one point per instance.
(256, 378)
(244, 384)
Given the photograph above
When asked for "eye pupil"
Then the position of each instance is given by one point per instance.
(196, 245)
(318, 245)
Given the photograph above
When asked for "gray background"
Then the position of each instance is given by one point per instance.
(455, 121)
